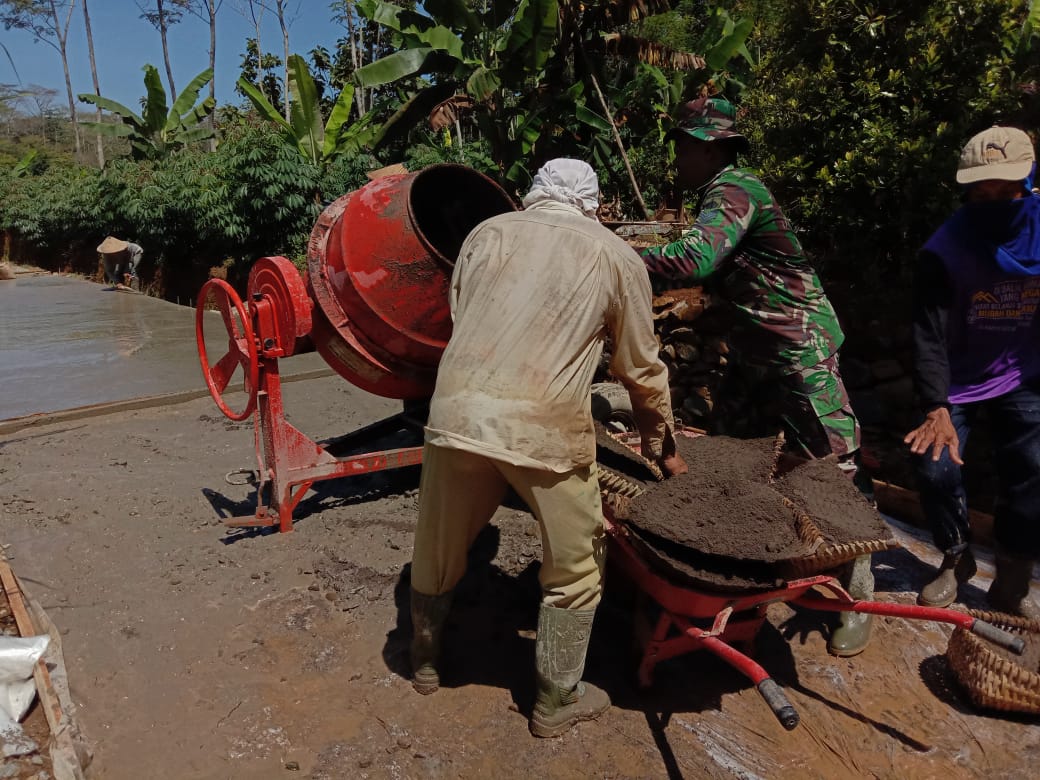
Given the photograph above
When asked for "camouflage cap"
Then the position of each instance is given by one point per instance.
(997, 153)
(708, 119)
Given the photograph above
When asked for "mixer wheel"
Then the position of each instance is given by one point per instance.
(241, 351)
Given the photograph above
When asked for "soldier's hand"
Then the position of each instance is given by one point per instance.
(935, 433)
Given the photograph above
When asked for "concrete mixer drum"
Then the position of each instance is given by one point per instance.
(379, 266)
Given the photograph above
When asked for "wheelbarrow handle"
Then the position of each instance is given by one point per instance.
(999, 636)
(778, 702)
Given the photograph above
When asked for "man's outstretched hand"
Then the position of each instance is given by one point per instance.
(935, 433)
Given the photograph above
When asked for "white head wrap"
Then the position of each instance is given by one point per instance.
(566, 181)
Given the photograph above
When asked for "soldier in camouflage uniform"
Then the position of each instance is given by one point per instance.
(785, 335)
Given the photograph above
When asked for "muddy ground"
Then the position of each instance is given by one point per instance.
(195, 652)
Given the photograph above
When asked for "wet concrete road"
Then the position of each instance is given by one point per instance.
(67, 343)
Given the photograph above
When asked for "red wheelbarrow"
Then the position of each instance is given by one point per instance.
(736, 618)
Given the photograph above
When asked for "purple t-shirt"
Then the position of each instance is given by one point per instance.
(993, 332)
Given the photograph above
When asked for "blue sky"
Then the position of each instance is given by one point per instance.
(123, 43)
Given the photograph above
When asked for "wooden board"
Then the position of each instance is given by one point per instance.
(44, 687)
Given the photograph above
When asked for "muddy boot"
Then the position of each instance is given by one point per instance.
(1009, 592)
(954, 571)
(853, 635)
(563, 699)
(428, 616)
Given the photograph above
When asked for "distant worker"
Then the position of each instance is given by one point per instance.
(121, 259)
(977, 343)
(786, 335)
(533, 296)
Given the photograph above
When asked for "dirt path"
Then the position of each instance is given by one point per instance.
(195, 653)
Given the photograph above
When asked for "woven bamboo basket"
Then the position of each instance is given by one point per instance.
(990, 679)
(829, 557)
(823, 556)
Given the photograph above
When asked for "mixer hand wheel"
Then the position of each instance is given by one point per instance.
(241, 346)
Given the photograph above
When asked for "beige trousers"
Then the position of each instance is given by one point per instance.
(458, 494)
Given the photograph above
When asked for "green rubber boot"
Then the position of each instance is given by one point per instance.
(429, 614)
(1009, 592)
(563, 699)
(954, 571)
(853, 635)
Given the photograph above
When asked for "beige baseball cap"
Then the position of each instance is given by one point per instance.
(997, 153)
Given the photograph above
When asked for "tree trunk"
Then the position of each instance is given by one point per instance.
(165, 48)
(93, 73)
(353, 33)
(211, 6)
(280, 7)
(61, 32)
(617, 136)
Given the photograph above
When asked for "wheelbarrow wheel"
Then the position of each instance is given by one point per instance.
(612, 406)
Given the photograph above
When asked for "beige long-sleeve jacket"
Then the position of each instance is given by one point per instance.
(533, 295)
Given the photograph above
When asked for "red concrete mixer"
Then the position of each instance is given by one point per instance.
(374, 305)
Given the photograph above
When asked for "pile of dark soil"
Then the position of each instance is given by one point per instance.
(728, 525)
(833, 503)
(724, 506)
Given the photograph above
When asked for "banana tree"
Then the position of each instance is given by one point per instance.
(318, 142)
(159, 128)
(493, 58)
(599, 41)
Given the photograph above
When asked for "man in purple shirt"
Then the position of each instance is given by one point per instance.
(977, 339)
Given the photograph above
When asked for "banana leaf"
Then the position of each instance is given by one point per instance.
(532, 35)
(391, 68)
(337, 118)
(188, 97)
(455, 14)
(263, 105)
(155, 109)
(112, 106)
(723, 51)
(304, 110)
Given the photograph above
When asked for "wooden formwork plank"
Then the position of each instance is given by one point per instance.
(44, 686)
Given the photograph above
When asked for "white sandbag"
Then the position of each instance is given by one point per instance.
(18, 656)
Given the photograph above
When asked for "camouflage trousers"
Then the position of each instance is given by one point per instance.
(811, 404)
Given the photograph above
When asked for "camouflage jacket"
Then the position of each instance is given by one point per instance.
(742, 239)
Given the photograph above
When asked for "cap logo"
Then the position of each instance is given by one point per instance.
(993, 146)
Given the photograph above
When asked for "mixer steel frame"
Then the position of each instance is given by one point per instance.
(289, 461)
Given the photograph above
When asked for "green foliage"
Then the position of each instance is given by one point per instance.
(495, 55)
(859, 111)
(316, 142)
(254, 196)
(429, 150)
(160, 129)
(250, 67)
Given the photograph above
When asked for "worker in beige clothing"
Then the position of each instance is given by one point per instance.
(533, 295)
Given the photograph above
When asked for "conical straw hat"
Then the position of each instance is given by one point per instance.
(111, 245)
